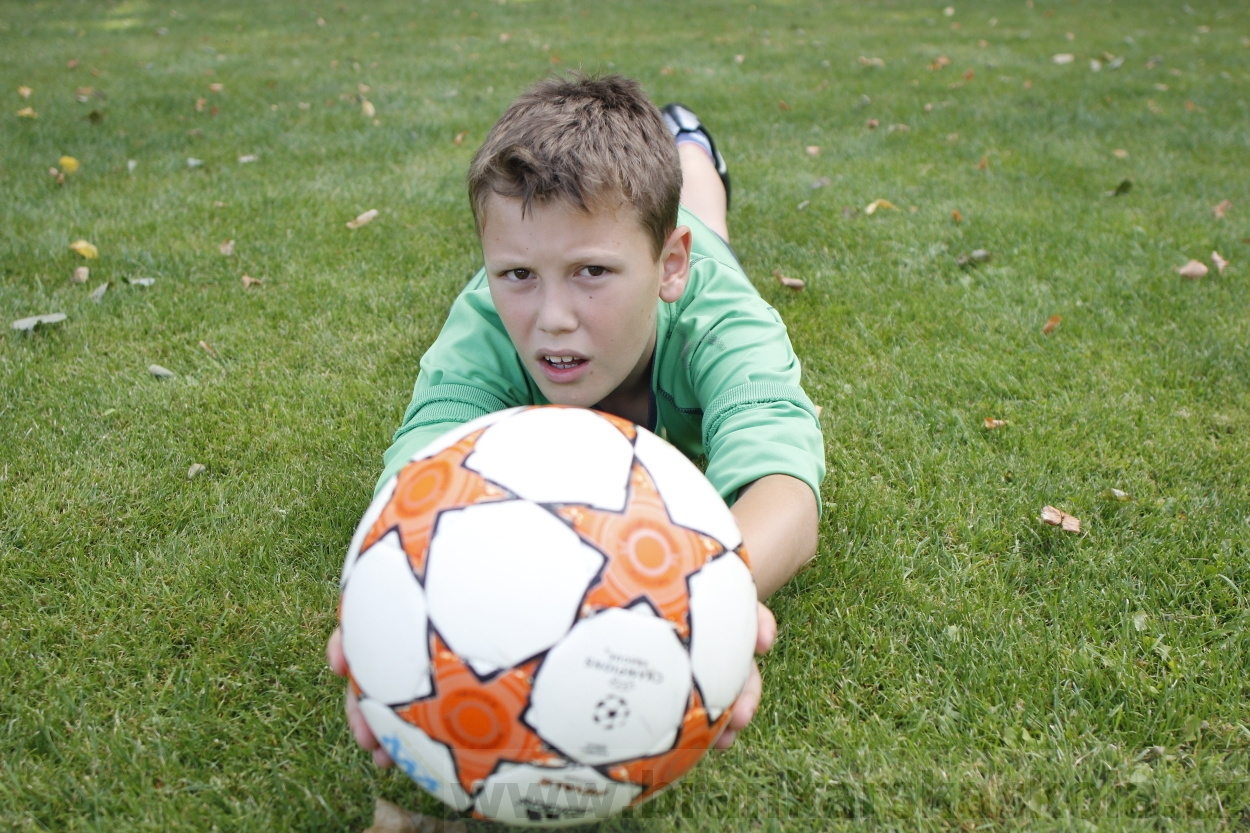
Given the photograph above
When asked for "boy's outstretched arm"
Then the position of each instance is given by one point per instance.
(779, 521)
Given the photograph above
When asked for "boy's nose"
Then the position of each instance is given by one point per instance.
(555, 312)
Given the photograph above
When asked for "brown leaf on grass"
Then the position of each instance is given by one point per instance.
(1063, 58)
(216, 87)
(873, 206)
(504, 37)
(975, 258)
(1219, 262)
(871, 62)
(983, 164)
(873, 124)
(208, 348)
(27, 113)
(195, 469)
(391, 818)
(1061, 519)
(226, 247)
(992, 424)
(666, 70)
(1193, 270)
(34, 321)
(24, 91)
(969, 75)
(161, 372)
(739, 58)
(85, 249)
(1120, 153)
(248, 158)
(460, 137)
(1052, 324)
(1221, 210)
(782, 105)
(956, 216)
(1116, 495)
(97, 294)
(57, 176)
(939, 62)
(81, 274)
(200, 104)
(248, 281)
(364, 219)
(788, 283)
(813, 150)
(367, 109)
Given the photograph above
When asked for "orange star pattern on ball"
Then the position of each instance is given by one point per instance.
(696, 737)
(649, 552)
(425, 488)
(480, 722)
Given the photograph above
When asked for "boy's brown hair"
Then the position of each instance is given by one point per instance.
(586, 141)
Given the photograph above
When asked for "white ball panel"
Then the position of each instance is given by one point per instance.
(384, 625)
(557, 455)
(524, 794)
(366, 523)
(454, 435)
(505, 581)
(424, 760)
(615, 688)
(691, 499)
(723, 626)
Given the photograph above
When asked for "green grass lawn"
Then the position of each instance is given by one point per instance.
(947, 662)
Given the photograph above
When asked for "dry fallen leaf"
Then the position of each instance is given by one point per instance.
(788, 283)
(1219, 262)
(1116, 494)
(872, 207)
(69, 164)
(1064, 58)
(97, 294)
(870, 62)
(391, 818)
(1059, 518)
(1120, 153)
(956, 216)
(1051, 324)
(975, 257)
(1222, 209)
(200, 104)
(248, 281)
(144, 282)
(739, 58)
(216, 88)
(782, 105)
(801, 206)
(192, 162)
(983, 164)
(208, 348)
(364, 219)
(81, 274)
(24, 91)
(367, 109)
(28, 113)
(248, 158)
(969, 75)
(71, 63)
(57, 176)
(993, 424)
(226, 247)
(161, 372)
(1193, 270)
(195, 469)
(813, 150)
(29, 324)
(85, 249)
(873, 124)
(939, 62)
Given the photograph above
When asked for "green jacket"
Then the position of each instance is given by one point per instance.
(725, 380)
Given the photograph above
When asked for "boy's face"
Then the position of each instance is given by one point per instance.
(577, 294)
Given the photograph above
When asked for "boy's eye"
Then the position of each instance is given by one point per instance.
(518, 274)
(594, 271)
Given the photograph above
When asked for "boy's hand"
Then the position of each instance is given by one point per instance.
(749, 700)
(743, 709)
(355, 720)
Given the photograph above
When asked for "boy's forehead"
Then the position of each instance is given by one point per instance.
(611, 209)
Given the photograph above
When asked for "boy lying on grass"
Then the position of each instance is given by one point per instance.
(608, 283)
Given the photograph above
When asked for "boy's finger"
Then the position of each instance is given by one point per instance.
(767, 632)
(361, 731)
(743, 709)
(334, 653)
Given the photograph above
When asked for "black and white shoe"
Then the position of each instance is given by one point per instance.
(680, 119)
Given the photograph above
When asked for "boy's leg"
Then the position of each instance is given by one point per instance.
(705, 178)
(701, 188)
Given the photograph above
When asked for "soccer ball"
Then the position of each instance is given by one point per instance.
(547, 615)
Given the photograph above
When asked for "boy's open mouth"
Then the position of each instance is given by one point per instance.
(563, 362)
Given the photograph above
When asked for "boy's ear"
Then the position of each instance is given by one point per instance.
(675, 260)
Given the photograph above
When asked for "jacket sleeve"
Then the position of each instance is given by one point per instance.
(756, 418)
(470, 370)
